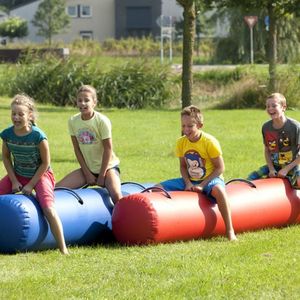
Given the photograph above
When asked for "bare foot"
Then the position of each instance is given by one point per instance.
(64, 251)
(231, 236)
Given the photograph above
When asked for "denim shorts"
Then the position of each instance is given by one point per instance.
(115, 168)
(178, 184)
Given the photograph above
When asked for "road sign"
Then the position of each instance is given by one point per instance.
(164, 21)
(250, 20)
(167, 31)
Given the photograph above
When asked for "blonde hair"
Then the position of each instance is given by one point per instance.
(89, 89)
(279, 97)
(22, 99)
(193, 112)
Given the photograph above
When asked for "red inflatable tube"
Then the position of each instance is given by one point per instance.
(154, 217)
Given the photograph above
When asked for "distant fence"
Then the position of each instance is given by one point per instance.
(14, 55)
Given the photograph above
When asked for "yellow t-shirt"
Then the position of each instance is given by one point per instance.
(89, 134)
(198, 155)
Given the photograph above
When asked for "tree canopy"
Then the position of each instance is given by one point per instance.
(50, 18)
(13, 27)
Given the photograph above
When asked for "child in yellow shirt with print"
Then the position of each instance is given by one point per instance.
(201, 165)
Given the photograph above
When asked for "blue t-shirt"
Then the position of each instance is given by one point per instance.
(24, 150)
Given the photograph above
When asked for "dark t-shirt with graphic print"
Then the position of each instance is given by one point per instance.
(283, 144)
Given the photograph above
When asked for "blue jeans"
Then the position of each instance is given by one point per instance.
(178, 184)
(263, 172)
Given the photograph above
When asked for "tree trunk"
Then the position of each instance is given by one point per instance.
(187, 57)
(272, 50)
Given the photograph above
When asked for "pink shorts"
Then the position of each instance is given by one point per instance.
(44, 189)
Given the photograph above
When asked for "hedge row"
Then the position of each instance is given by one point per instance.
(132, 85)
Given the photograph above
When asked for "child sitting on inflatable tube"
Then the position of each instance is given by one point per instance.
(26, 158)
(91, 137)
(281, 137)
(201, 165)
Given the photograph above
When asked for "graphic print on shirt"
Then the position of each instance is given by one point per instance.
(86, 136)
(195, 164)
(279, 146)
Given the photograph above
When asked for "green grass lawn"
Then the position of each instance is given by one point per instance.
(261, 265)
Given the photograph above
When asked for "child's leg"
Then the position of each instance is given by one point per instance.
(298, 182)
(45, 194)
(219, 193)
(74, 180)
(56, 228)
(262, 172)
(175, 184)
(113, 184)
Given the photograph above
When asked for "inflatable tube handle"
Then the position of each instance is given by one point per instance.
(79, 199)
(242, 180)
(132, 182)
(158, 189)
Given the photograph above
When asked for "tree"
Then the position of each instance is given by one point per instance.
(276, 10)
(13, 27)
(50, 18)
(189, 17)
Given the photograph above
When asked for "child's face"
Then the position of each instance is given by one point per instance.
(20, 116)
(86, 104)
(274, 108)
(190, 128)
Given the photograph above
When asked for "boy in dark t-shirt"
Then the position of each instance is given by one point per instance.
(281, 137)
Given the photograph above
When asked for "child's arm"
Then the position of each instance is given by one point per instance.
(45, 158)
(90, 178)
(184, 174)
(272, 171)
(107, 154)
(219, 168)
(6, 156)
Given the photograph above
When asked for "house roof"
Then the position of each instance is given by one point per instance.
(12, 4)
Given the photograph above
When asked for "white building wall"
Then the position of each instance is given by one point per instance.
(101, 23)
(27, 12)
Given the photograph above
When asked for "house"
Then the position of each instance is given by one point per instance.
(103, 19)
(89, 19)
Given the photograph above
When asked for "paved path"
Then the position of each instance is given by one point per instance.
(196, 68)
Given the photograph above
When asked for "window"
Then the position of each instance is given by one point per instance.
(86, 35)
(138, 17)
(72, 11)
(138, 21)
(85, 11)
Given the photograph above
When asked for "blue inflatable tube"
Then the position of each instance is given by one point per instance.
(85, 215)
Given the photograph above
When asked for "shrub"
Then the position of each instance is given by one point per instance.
(246, 93)
(219, 76)
(51, 80)
(227, 51)
(85, 48)
(134, 85)
(288, 84)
